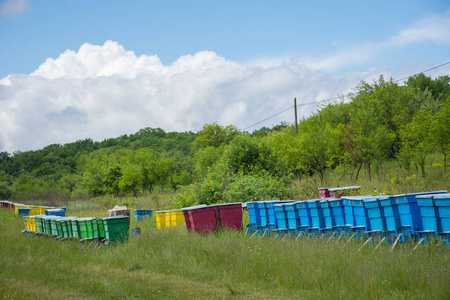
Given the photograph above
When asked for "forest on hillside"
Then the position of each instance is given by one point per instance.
(377, 124)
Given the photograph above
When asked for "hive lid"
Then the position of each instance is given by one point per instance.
(421, 193)
(442, 196)
(344, 188)
(194, 207)
(224, 204)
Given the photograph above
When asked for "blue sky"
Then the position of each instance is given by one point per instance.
(232, 62)
(237, 30)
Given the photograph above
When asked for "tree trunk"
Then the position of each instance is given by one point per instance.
(321, 176)
(357, 173)
(9, 176)
(445, 163)
(422, 167)
(368, 168)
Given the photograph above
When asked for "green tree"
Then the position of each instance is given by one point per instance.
(214, 135)
(286, 145)
(247, 154)
(438, 87)
(162, 170)
(416, 137)
(319, 142)
(5, 164)
(440, 129)
(205, 158)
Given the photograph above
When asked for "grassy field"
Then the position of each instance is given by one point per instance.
(172, 264)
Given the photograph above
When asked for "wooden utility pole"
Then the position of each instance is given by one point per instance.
(296, 125)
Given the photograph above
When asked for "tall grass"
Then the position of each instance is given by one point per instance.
(173, 264)
(388, 178)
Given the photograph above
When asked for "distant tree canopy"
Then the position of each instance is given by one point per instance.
(383, 121)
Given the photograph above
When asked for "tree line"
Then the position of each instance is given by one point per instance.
(378, 122)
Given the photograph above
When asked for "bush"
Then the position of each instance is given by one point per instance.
(5, 191)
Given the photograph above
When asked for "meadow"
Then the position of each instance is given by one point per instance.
(174, 264)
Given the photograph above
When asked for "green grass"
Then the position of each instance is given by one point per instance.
(389, 179)
(172, 264)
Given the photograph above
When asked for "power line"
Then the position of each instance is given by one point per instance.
(269, 117)
(336, 98)
(407, 77)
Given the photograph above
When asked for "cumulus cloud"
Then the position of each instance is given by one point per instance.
(103, 91)
(12, 8)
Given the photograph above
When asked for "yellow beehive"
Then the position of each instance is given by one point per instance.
(168, 219)
(160, 219)
(176, 217)
(30, 222)
(43, 209)
(34, 210)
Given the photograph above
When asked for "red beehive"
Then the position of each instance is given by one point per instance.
(230, 215)
(187, 219)
(324, 193)
(203, 219)
(344, 191)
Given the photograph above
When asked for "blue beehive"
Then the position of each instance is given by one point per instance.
(263, 213)
(140, 214)
(315, 211)
(349, 215)
(409, 212)
(303, 215)
(23, 211)
(392, 218)
(376, 214)
(442, 202)
(429, 215)
(360, 223)
(271, 218)
(253, 213)
(55, 212)
(337, 213)
(280, 215)
(293, 220)
(327, 215)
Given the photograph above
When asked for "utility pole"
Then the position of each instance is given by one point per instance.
(296, 125)
(297, 171)
(9, 177)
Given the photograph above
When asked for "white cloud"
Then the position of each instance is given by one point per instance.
(105, 91)
(12, 8)
(434, 29)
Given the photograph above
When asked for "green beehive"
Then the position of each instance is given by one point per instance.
(98, 229)
(116, 228)
(39, 223)
(47, 224)
(54, 226)
(86, 228)
(44, 224)
(76, 231)
(59, 229)
(66, 225)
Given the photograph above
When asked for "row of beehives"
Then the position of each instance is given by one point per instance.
(51, 221)
(108, 229)
(202, 218)
(391, 218)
